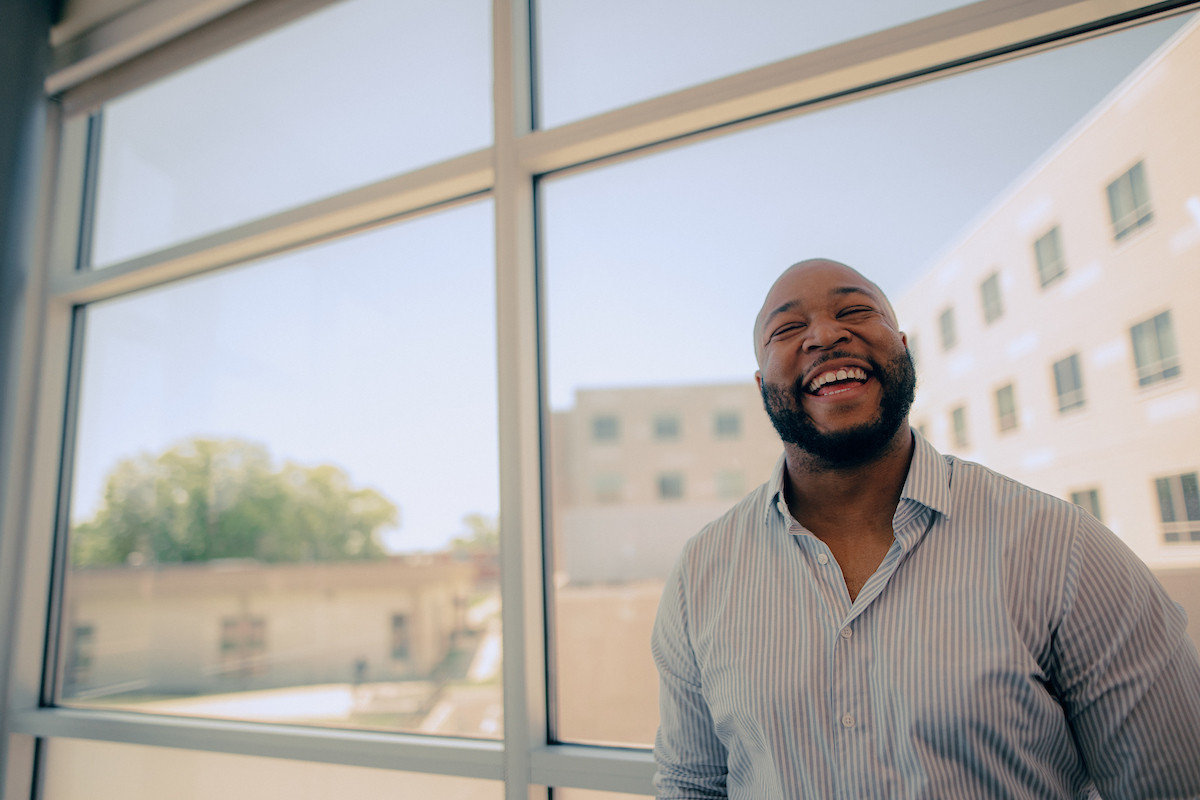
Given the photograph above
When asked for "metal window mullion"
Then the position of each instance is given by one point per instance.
(519, 401)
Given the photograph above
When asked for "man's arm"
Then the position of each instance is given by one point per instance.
(691, 760)
(1127, 673)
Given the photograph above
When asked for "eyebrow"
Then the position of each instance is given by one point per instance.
(790, 304)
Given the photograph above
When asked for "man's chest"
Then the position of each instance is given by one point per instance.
(930, 658)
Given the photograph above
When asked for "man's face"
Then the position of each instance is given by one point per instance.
(834, 370)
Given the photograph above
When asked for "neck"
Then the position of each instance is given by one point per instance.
(817, 492)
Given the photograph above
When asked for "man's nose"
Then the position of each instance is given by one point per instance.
(823, 334)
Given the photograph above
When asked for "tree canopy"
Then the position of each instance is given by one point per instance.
(206, 499)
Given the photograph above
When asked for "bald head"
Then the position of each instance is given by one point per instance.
(798, 281)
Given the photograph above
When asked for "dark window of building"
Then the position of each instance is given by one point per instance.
(243, 646)
(1129, 202)
(1049, 254)
(948, 329)
(605, 428)
(1154, 349)
(1006, 408)
(1068, 382)
(666, 427)
(1179, 507)
(727, 425)
(401, 636)
(1088, 500)
(958, 423)
(989, 293)
(82, 652)
(670, 486)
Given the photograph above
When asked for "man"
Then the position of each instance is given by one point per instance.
(882, 621)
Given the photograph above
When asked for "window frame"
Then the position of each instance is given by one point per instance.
(158, 37)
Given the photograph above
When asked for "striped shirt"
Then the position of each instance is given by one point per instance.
(1009, 645)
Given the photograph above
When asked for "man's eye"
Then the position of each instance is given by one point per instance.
(789, 328)
(856, 310)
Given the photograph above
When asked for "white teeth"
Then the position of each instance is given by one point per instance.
(840, 375)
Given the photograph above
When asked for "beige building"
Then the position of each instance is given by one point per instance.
(233, 626)
(1058, 340)
(638, 471)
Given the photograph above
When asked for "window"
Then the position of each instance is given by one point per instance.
(1129, 202)
(400, 637)
(727, 425)
(605, 428)
(303, 258)
(914, 350)
(923, 429)
(607, 487)
(948, 329)
(1006, 408)
(1068, 382)
(1154, 349)
(730, 484)
(1048, 253)
(958, 423)
(1088, 500)
(243, 646)
(989, 294)
(1179, 507)
(670, 486)
(666, 427)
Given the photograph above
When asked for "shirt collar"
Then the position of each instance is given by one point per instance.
(927, 483)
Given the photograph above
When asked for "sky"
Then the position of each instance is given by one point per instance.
(377, 352)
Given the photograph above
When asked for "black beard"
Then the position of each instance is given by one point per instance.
(853, 446)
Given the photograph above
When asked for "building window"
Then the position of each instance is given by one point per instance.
(666, 427)
(989, 293)
(1129, 202)
(607, 486)
(1154, 349)
(958, 423)
(923, 429)
(1089, 501)
(727, 425)
(914, 350)
(243, 646)
(1006, 408)
(1068, 382)
(670, 486)
(1179, 506)
(606, 428)
(948, 328)
(1049, 254)
(730, 484)
(82, 653)
(401, 637)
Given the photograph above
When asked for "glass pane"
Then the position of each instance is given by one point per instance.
(594, 57)
(272, 518)
(1191, 496)
(1166, 502)
(657, 266)
(351, 94)
(78, 769)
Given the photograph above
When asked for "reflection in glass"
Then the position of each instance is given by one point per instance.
(656, 267)
(351, 94)
(78, 769)
(672, 44)
(284, 502)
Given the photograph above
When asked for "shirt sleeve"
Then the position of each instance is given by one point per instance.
(1126, 672)
(692, 762)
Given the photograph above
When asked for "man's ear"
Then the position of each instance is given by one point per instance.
(758, 378)
(904, 338)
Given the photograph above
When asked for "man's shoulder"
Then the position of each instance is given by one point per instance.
(747, 518)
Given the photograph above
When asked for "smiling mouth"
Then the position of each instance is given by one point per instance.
(836, 381)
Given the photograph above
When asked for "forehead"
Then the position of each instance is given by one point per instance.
(816, 284)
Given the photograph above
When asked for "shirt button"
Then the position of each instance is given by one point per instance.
(847, 720)
(822, 558)
(847, 633)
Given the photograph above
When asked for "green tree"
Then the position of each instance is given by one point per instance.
(207, 499)
(484, 534)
